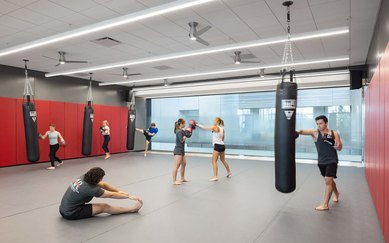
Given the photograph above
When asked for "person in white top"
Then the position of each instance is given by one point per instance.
(54, 146)
(219, 147)
(105, 131)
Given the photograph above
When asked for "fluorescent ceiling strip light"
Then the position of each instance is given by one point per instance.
(308, 62)
(208, 50)
(245, 80)
(143, 14)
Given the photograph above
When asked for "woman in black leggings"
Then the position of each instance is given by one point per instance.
(104, 129)
(54, 146)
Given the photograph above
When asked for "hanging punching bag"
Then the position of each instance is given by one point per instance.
(31, 130)
(87, 129)
(30, 120)
(131, 126)
(285, 135)
(88, 123)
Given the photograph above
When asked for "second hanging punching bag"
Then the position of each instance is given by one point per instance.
(88, 123)
(131, 123)
(30, 120)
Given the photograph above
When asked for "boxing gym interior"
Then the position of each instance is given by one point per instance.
(194, 121)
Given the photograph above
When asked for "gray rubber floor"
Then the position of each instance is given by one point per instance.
(245, 208)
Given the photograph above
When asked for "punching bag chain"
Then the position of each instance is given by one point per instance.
(28, 92)
(90, 97)
(287, 58)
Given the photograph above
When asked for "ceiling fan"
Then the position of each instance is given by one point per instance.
(238, 58)
(62, 59)
(195, 34)
(125, 73)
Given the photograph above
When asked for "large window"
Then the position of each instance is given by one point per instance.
(249, 121)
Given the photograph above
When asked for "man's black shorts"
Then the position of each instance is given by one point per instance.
(83, 212)
(148, 137)
(328, 170)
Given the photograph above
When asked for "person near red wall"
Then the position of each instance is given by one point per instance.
(54, 146)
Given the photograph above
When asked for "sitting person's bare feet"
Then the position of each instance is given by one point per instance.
(214, 179)
(184, 180)
(322, 208)
(229, 174)
(177, 183)
(336, 197)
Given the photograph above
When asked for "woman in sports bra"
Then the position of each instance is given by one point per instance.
(54, 146)
(219, 147)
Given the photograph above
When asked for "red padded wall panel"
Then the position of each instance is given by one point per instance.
(385, 77)
(115, 129)
(43, 116)
(21, 155)
(380, 147)
(80, 121)
(8, 144)
(123, 129)
(71, 134)
(96, 137)
(57, 116)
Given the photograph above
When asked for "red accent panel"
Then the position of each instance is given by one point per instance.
(57, 116)
(71, 134)
(385, 77)
(43, 117)
(96, 135)
(115, 125)
(8, 143)
(21, 156)
(123, 128)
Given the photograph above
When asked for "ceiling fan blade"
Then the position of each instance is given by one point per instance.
(203, 30)
(58, 64)
(133, 74)
(202, 41)
(76, 61)
(50, 58)
(250, 62)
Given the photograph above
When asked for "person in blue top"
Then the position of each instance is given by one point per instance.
(148, 133)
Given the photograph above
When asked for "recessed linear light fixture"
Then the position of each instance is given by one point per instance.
(245, 80)
(208, 50)
(307, 62)
(143, 14)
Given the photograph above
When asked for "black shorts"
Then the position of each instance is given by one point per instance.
(148, 137)
(83, 212)
(219, 148)
(328, 170)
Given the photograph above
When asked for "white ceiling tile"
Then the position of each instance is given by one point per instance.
(100, 13)
(30, 16)
(48, 8)
(22, 3)
(15, 23)
(75, 5)
(6, 7)
(78, 20)
(124, 7)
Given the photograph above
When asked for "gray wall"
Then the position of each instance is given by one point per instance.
(141, 122)
(62, 88)
(380, 37)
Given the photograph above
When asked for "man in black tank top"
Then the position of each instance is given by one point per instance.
(327, 143)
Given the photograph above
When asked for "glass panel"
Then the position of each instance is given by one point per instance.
(249, 121)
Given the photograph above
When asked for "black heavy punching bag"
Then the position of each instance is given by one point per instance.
(87, 129)
(131, 124)
(30, 120)
(31, 130)
(285, 135)
(88, 123)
